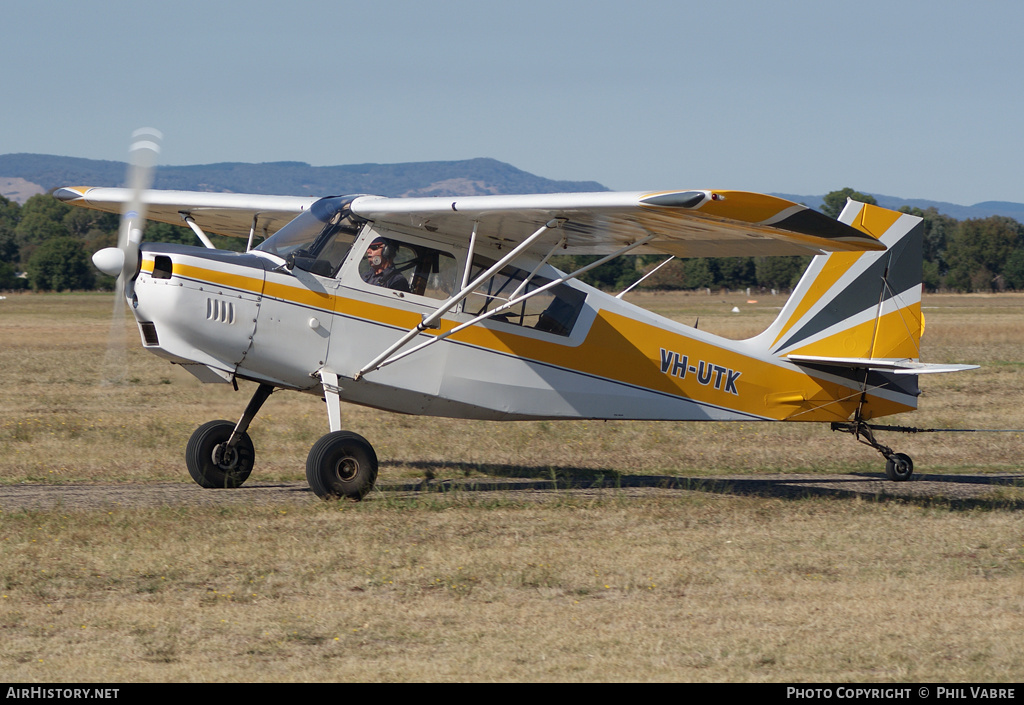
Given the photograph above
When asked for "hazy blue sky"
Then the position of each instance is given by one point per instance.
(911, 99)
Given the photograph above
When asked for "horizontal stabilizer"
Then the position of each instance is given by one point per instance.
(897, 367)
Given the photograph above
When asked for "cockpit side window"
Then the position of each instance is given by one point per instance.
(426, 271)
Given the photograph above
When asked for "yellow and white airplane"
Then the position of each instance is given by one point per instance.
(447, 307)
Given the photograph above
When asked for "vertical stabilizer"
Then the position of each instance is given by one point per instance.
(858, 305)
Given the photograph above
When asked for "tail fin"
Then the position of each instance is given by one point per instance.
(858, 305)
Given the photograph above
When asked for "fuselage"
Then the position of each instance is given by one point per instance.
(573, 352)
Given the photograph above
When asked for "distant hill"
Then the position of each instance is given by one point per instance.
(22, 175)
(461, 178)
(978, 210)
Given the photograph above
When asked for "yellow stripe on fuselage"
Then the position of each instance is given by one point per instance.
(299, 295)
(253, 285)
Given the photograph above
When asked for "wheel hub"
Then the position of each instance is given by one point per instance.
(225, 457)
(347, 468)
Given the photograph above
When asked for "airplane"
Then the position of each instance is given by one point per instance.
(481, 326)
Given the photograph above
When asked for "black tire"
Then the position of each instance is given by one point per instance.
(211, 464)
(341, 464)
(899, 467)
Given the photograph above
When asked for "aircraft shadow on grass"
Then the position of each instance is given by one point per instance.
(947, 490)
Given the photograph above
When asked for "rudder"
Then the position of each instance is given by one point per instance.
(858, 305)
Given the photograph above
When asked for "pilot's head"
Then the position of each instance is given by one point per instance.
(380, 253)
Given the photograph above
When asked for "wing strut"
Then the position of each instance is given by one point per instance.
(197, 230)
(252, 230)
(469, 257)
(514, 300)
(432, 319)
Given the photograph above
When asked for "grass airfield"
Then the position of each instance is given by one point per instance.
(545, 580)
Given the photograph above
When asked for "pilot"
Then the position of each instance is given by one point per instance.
(381, 255)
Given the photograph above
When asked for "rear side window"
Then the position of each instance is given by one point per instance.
(552, 311)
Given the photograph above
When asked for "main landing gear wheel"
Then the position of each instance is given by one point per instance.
(210, 461)
(899, 467)
(341, 464)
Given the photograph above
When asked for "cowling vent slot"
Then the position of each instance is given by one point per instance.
(149, 336)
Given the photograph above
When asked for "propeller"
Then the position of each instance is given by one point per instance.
(123, 261)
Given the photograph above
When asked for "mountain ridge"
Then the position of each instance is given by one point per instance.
(24, 174)
(480, 176)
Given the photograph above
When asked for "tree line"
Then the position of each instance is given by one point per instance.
(46, 245)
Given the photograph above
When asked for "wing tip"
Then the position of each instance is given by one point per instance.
(67, 194)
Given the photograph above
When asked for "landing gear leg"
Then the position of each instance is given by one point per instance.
(220, 453)
(898, 466)
(261, 394)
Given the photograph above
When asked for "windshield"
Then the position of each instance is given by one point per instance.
(318, 239)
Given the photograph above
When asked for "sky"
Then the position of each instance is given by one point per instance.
(903, 98)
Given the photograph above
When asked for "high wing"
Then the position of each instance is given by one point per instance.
(683, 223)
(694, 223)
(222, 213)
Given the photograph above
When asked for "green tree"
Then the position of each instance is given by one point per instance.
(40, 219)
(931, 277)
(834, 202)
(10, 213)
(671, 276)
(8, 278)
(164, 232)
(36, 228)
(611, 276)
(8, 244)
(735, 272)
(938, 229)
(1014, 269)
(780, 272)
(979, 250)
(698, 273)
(47, 205)
(60, 264)
(81, 221)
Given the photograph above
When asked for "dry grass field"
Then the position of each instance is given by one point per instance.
(486, 573)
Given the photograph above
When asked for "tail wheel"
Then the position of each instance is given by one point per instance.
(211, 463)
(899, 467)
(341, 464)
